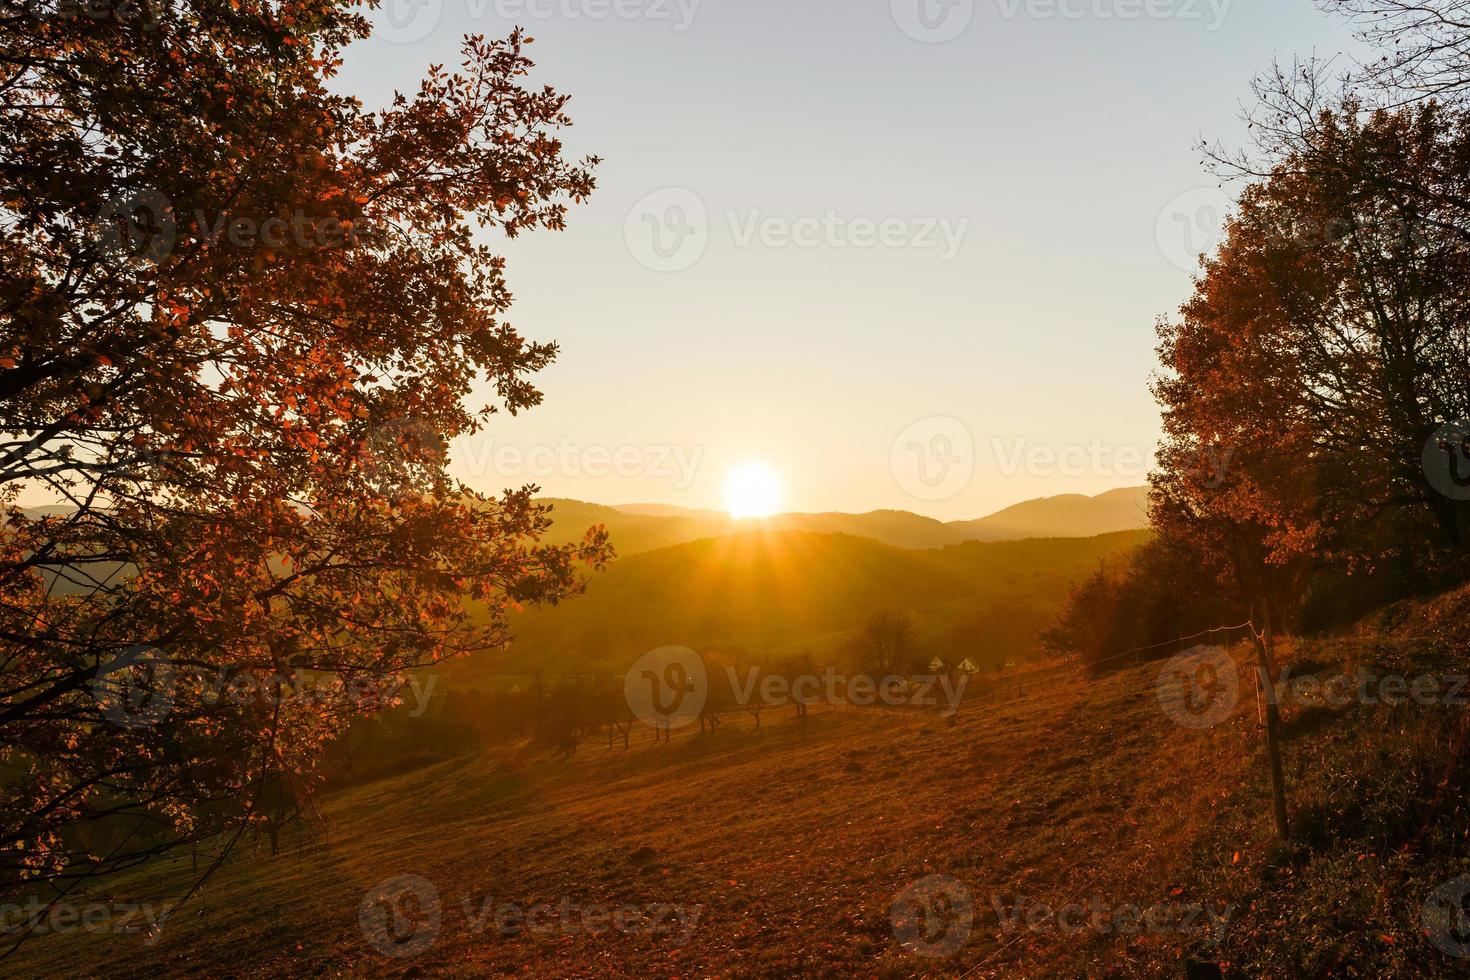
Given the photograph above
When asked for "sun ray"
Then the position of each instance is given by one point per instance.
(752, 489)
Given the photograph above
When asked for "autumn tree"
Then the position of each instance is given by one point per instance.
(1323, 350)
(239, 318)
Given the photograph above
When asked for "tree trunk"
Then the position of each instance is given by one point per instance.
(1450, 516)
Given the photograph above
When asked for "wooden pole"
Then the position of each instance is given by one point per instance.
(1264, 643)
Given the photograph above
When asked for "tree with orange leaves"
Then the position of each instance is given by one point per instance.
(1323, 350)
(239, 316)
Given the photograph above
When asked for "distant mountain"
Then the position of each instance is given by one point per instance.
(1070, 515)
(670, 510)
(633, 533)
(776, 591)
(636, 528)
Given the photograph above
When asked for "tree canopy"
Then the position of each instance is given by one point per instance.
(239, 319)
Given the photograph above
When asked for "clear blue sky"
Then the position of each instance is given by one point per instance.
(1050, 139)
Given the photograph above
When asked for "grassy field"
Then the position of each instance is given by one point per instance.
(1088, 833)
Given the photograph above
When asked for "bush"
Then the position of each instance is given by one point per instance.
(1154, 594)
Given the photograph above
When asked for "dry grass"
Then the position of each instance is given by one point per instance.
(794, 839)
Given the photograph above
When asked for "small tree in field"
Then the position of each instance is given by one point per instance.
(239, 315)
(886, 644)
(797, 670)
(719, 695)
(566, 716)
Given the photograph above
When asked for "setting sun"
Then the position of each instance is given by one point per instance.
(752, 490)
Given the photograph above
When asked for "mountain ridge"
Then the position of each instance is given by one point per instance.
(636, 528)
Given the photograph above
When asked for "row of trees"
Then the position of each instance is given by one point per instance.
(569, 712)
(560, 718)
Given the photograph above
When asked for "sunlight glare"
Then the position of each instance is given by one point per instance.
(752, 490)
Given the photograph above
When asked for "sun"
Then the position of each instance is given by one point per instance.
(752, 489)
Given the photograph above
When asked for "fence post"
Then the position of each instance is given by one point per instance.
(1264, 641)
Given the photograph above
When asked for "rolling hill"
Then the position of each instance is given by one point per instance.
(771, 592)
(643, 527)
(1064, 516)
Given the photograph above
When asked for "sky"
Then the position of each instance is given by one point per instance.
(904, 253)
